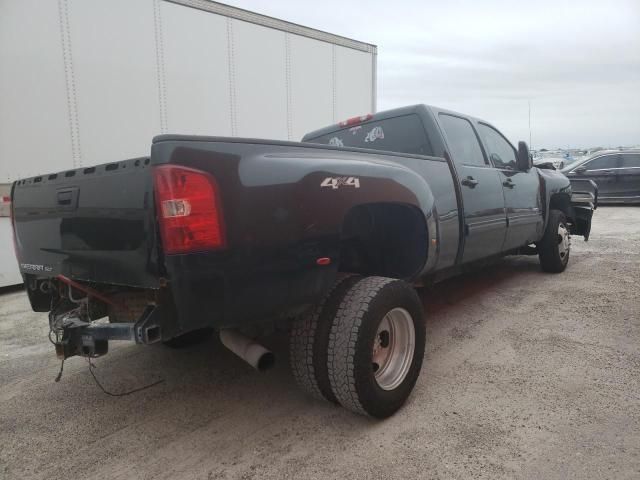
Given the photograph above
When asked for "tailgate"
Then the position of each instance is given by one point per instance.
(94, 224)
(584, 200)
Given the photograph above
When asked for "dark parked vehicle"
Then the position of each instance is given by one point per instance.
(324, 237)
(617, 174)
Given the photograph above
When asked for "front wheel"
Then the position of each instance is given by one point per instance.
(555, 246)
(376, 346)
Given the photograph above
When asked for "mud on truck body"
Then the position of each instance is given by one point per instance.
(324, 237)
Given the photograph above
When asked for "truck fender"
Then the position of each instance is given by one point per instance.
(577, 202)
(383, 190)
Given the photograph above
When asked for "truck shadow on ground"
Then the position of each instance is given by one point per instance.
(476, 283)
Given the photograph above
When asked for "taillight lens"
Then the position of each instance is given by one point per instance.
(189, 210)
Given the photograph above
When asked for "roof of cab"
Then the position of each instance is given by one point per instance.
(394, 112)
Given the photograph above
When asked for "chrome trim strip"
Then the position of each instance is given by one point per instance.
(631, 197)
(612, 168)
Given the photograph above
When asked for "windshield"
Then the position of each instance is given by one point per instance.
(403, 134)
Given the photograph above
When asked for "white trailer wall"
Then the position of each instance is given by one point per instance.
(91, 81)
(84, 82)
(197, 80)
(35, 133)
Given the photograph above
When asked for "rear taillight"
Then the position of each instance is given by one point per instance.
(189, 210)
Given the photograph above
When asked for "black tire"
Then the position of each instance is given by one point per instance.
(195, 337)
(553, 258)
(308, 341)
(351, 342)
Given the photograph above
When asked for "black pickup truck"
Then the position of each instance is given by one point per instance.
(324, 238)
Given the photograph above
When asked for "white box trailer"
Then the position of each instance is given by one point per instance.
(84, 82)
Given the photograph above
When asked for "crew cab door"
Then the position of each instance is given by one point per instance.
(521, 190)
(485, 221)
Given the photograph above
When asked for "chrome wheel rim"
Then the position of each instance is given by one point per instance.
(564, 241)
(393, 348)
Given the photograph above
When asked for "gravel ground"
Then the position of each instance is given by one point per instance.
(526, 375)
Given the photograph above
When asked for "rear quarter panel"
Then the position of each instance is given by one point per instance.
(279, 220)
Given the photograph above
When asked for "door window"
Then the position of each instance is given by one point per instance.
(462, 140)
(630, 160)
(602, 163)
(501, 153)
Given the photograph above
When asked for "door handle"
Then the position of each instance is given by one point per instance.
(67, 199)
(469, 182)
(508, 183)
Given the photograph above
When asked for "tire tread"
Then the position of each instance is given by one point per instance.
(550, 260)
(343, 338)
(301, 347)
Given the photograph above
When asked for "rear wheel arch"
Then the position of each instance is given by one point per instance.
(385, 239)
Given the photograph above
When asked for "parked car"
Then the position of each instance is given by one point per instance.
(325, 236)
(557, 163)
(616, 172)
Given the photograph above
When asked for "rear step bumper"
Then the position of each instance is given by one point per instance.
(77, 337)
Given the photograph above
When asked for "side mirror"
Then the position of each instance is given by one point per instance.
(524, 158)
(580, 170)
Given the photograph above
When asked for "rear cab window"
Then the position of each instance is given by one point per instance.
(403, 134)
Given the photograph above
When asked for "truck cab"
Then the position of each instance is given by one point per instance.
(501, 199)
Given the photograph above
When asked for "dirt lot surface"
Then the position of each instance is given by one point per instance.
(526, 375)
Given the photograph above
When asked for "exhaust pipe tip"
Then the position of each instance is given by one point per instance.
(248, 350)
(267, 361)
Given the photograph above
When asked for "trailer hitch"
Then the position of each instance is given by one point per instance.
(90, 340)
(75, 336)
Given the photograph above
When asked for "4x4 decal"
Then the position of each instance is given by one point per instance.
(337, 182)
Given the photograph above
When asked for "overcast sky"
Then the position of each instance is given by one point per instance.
(578, 62)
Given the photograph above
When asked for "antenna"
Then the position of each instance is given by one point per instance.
(530, 145)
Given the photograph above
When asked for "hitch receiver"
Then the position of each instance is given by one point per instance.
(92, 339)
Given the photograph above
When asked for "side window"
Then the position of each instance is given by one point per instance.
(462, 140)
(630, 160)
(501, 153)
(602, 163)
